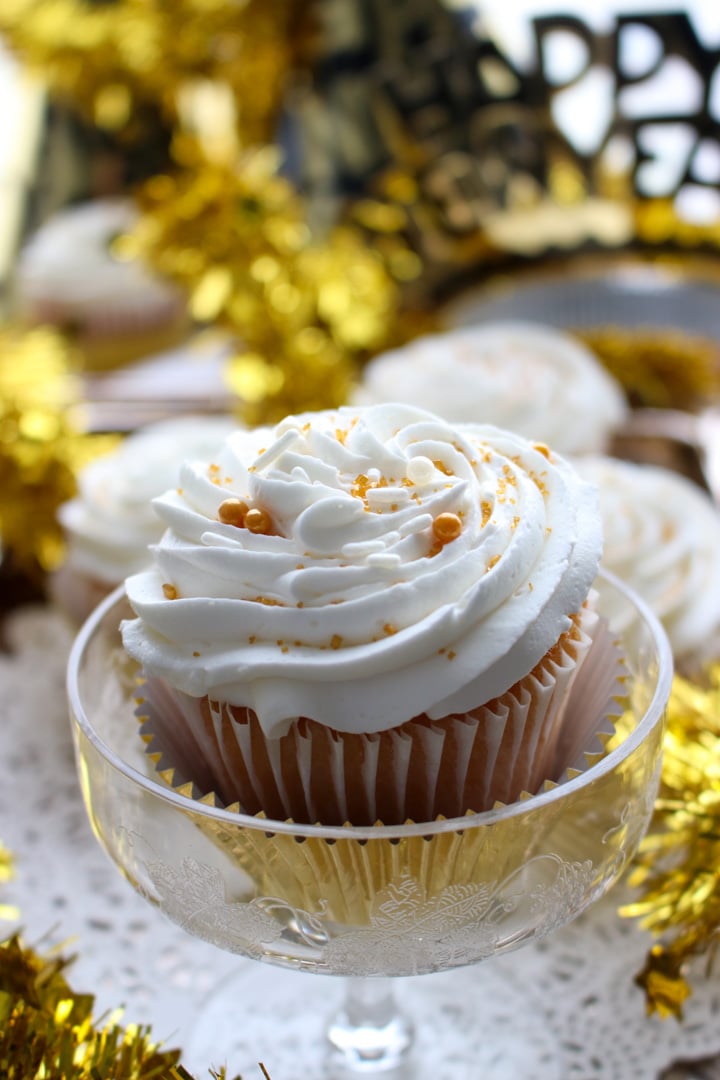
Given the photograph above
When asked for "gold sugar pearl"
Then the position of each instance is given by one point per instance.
(170, 592)
(258, 520)
(446, 527)
(232, 512)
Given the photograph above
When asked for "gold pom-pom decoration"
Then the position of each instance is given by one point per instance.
(308, 311)
(42, 445)
(127, 64)
(678, 868)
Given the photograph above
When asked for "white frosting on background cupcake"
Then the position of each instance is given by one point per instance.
(111, 522)
(662, 536)
(68, 275)
(528, 378)
(347, 608)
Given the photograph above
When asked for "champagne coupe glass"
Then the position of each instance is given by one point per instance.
(377, 902)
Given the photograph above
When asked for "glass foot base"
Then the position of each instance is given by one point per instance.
(465, 1021)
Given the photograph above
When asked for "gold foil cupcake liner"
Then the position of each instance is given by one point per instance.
(343, 876)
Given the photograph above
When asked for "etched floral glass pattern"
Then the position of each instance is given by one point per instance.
(366, 901)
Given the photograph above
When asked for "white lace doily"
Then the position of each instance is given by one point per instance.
(560, 1009)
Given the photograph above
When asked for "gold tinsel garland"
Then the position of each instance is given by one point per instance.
(678, 867)
(659, 368)
(41, 445)
(47, 1029)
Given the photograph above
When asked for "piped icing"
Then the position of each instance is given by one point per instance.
(406, 566)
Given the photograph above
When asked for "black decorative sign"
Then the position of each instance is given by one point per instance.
(604, 139)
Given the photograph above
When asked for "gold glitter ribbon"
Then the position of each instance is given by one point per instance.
(678, 868)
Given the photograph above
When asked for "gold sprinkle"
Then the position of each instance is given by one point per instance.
(487, 509)
(442, 467)
(180, 491)
(389, 629)
(446, 527)
(170, 592)
(284, 649)
(232, 512)
(252, 639)
(335, 641)
(542, 449)
(196, 654)
(300, 566)
(493, 562)
(451, 655)
(258, 520)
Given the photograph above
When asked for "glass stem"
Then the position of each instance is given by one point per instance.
(369, 1035)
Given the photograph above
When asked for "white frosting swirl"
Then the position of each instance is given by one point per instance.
(111, 522)
(662, 536)
(352, 613)
(528, 378)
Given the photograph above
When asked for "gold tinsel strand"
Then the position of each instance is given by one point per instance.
(118, 62)
(678, 867)
(41, 449)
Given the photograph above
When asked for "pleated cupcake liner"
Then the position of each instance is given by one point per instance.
(419, 771)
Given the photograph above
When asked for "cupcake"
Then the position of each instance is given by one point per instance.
(368, 614)
(109, 526)
(662, 537)
(115, 309)
(529, 378)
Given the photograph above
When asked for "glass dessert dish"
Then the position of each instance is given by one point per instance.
(377, 902)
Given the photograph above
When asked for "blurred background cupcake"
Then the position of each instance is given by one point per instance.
(109, 526)
(662, 537)
(530, 378)
(71, 275)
